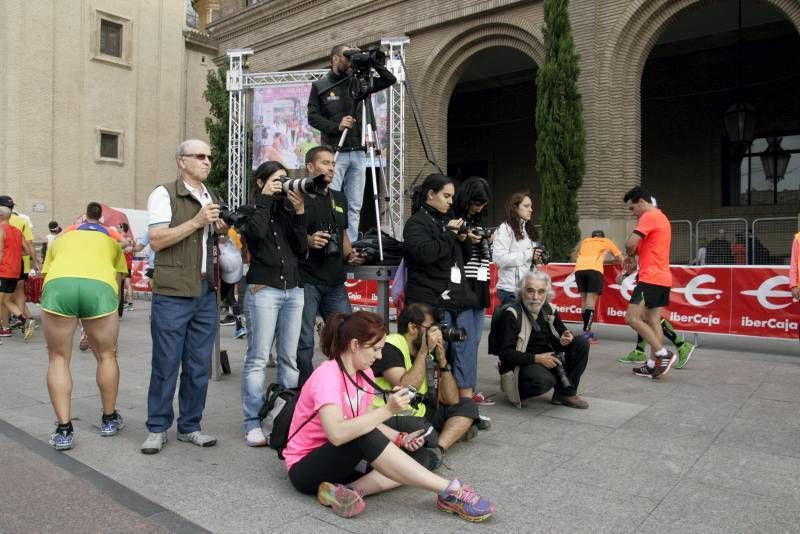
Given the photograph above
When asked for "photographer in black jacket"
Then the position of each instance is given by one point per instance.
(276, 237)
(322, 268)
(331, 110)
(435, 253)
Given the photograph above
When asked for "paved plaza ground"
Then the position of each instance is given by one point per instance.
(714, 447)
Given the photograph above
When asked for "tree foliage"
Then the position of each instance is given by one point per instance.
(217, 128)
(561, 141)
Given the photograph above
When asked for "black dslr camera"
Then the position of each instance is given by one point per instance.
(452, 333)
(484, 233)
(333, 247)
(236, 218)
(415, 396)
(558, 370)
(544, 255)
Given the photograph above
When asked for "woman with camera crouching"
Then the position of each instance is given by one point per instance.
(338, 446)
(515, 245)
(275, 233)
(435, 249)
(469, 204)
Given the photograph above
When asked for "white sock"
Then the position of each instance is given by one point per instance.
(651, 363)
(662, 352)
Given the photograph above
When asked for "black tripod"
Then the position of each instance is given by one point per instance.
(372, 145)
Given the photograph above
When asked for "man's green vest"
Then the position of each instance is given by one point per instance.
(399, 341)
(177, 268)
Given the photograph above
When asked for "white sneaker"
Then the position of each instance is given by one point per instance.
(255, 438)
(198, 438)
(154, 443)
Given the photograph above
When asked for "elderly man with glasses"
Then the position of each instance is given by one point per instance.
(184, 224)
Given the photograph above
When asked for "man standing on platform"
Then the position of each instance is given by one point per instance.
(331, 110)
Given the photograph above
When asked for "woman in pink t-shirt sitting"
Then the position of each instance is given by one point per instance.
(339, 447)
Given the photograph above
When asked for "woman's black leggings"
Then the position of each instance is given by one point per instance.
(329, 463)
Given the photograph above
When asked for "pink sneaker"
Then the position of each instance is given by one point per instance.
(344, 502)
(5, 332)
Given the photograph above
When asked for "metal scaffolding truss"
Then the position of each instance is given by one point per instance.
(239, 81)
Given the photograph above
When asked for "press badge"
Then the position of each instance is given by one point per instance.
(483, 274)
(455, 274)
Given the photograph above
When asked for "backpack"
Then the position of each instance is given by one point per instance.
(493, 341)
(276, 416)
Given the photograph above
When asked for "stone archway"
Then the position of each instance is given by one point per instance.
(615, 142)
(445, 64)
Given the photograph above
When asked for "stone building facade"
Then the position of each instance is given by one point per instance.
(631, 53)
(94, 97)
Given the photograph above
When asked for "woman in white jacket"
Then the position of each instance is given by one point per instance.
(514, 243)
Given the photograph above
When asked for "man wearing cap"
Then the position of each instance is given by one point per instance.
(589, 263)
(23, 224)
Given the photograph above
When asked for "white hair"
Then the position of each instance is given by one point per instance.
(184, 146)
(539, 276)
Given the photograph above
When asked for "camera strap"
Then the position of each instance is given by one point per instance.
(377, 389)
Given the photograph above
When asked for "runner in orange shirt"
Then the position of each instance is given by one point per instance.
(651, 242)
(589, 275)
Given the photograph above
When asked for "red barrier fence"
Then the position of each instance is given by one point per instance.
(750, 301)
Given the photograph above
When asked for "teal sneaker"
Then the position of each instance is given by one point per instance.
(684, 353)
(633, 356)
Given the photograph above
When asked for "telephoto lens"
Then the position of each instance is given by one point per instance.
(452, 333)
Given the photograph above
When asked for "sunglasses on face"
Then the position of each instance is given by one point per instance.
(199, 157)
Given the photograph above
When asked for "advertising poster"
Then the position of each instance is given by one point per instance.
(280, 124)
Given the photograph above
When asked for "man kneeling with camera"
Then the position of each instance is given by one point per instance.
(537, 352)
(407, 358)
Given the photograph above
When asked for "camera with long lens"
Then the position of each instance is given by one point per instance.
(333, 247)
(544, 255)
(484, 250)
(364, 60)
(315, 185)
(452, 333)
(415, 397)
(560, 372)
(236, 218)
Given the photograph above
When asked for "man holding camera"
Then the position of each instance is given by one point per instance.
(322, 269)
(537, 351)
(332, 110)
(184, 223)
(404, 363)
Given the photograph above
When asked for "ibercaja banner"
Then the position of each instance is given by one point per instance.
(744, 300)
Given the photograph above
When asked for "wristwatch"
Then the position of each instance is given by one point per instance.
(446, 369)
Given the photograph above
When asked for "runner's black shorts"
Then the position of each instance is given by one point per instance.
(654, 296)
(589, 281)
(8, 285)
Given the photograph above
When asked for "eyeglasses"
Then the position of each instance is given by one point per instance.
(199, 157)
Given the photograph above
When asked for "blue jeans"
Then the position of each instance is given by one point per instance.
(270, 312)
(325, 300)
(504, 296)
(349, 177)
(183, 331)
(465, 353)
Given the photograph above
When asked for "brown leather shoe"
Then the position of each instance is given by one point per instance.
(573, 401)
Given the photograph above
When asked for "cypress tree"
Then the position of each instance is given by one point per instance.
(217, 128)
(561, 139)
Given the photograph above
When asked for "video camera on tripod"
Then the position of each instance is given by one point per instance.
(363, 61)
